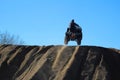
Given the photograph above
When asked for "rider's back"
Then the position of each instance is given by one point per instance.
(74, 27)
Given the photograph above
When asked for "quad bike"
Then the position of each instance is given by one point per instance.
(70, 36)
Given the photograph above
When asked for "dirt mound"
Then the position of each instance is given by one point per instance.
(59, 63)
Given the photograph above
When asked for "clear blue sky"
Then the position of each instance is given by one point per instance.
(44, 22)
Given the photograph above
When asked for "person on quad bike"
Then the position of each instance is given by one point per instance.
(74, 32)
(74, 27)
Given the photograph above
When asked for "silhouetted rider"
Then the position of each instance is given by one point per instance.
(74, 27)
(74, 33)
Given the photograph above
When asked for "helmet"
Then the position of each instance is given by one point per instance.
(72, 21)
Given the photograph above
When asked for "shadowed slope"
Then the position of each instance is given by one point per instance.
(59, 63)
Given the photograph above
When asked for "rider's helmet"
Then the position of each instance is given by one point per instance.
(72, 21)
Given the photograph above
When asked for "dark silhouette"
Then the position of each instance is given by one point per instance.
(74, 33)
(74, 26)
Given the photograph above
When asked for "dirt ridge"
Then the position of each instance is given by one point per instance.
(20, 62)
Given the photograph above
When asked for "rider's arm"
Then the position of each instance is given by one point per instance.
(67, 29)
(78, 26)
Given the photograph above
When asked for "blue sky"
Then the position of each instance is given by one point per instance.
(44, 22)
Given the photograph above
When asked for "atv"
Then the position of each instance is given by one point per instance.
(70, 36)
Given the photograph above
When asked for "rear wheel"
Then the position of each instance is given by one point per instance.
(79, 38)
(78, 41)
(66, 40)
